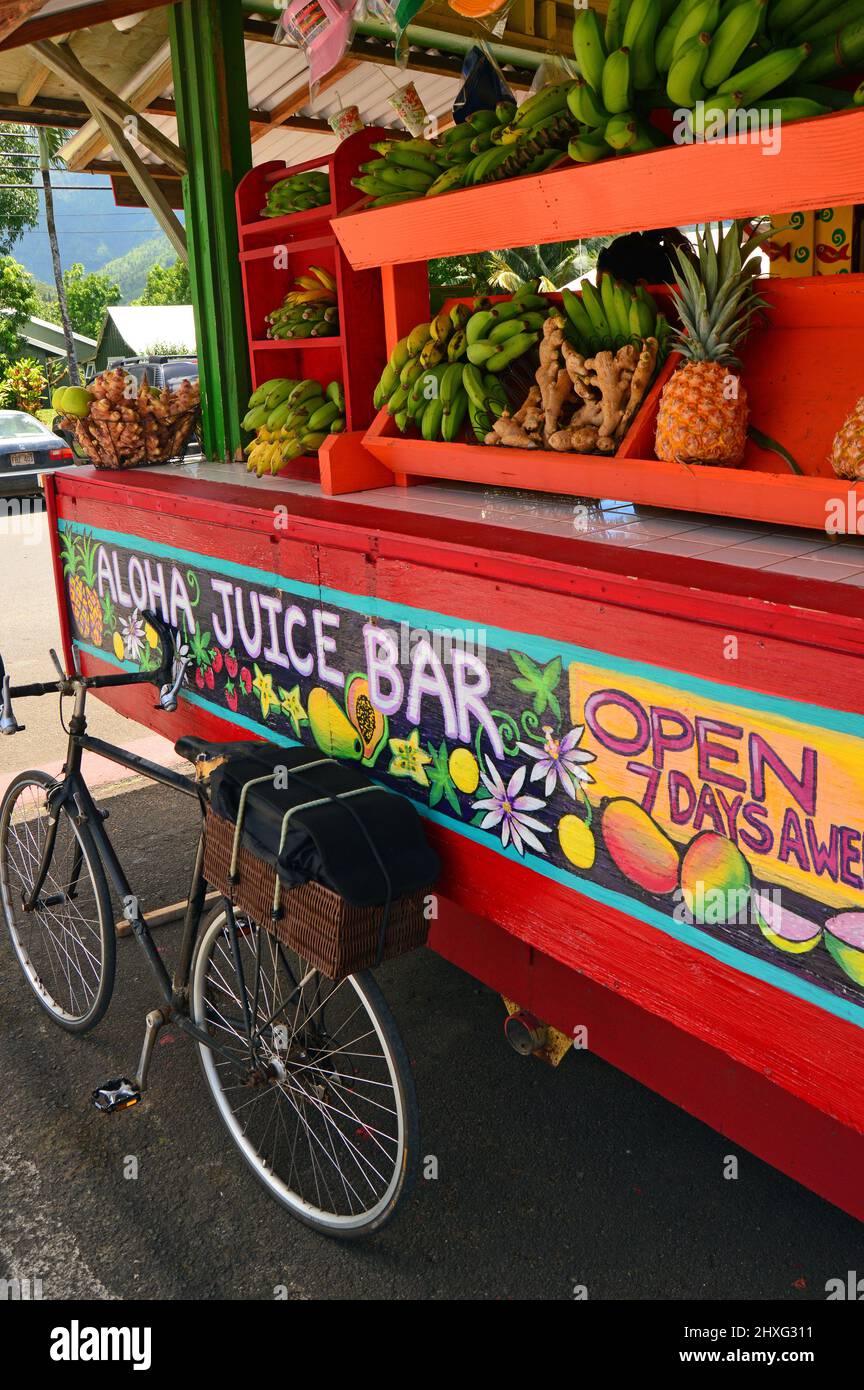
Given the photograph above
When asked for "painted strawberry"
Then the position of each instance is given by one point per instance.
(231, 663)
(199, 678)
(217, 660)
(231, 696)
(209, 678)
(246, 680)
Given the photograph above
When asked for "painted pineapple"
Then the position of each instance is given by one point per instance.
(79, 566)
(704, 412)
(847, 454)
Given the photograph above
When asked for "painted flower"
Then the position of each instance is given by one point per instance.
(506, 808)
(182, 657)
(560, 760)
(263, 687)
(132, 632)
(409, 759)
(292, 705)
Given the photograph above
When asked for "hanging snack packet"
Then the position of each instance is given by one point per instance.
(323, 29)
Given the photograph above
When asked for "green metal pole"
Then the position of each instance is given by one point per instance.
(209, 67)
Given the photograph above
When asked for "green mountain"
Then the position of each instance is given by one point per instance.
(130, 270)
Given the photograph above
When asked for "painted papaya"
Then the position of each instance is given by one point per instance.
(639, 847)
(331, 729)
(372, 726)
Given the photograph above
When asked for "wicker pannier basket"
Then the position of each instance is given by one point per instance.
(325, 930)
(132, 443)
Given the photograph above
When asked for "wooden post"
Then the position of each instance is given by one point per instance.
(213, 120)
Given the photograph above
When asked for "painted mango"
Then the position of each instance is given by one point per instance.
(715, 879)
(371, 725)
(331, 729)
(844, 937)
(638, 846)
(784, 929)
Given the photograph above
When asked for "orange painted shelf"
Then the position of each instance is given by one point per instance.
(802, 371)
(820, 164)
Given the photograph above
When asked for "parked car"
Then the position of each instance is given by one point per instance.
(27, 450)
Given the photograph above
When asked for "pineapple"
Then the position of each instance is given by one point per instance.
(77, 602)
(90, 598)
(847, 454)
(704, 412)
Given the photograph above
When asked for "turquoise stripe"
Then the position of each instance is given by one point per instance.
(679, 931)
(543, 649)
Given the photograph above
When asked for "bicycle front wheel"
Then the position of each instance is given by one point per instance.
(65, 945)
(311, 1080)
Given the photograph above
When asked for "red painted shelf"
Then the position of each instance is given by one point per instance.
(281, 344)
(820, 164)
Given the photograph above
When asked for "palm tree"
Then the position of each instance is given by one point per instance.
(553, 265)
(50, 140)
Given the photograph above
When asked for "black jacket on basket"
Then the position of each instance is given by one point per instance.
(338, 843)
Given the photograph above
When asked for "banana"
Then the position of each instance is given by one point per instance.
(584, 103)
(825, 96)
(587, 149)
(787, 16)
(472, 381)
(312, 442)
(479, 325)
(398, 400)
(259, 396)
(594, 308)
(327, 280)
(641, 317)
(766, 74)
(668, 34)
(407, 180)
(387, 384)
(459, 316)
(418, 338)
(400, 354)
(430, 426)
(734, 36)
(480, 352)
(482, 142)
(617, 89)
(831, 56)
(616, 18)
(336, 392)
(412, 159)
(620, 131)
(454, 418)
(451, 383)
(483, 119)
(508, 329)
(578, 316)
(684, 83)
(374, 187)
(481, 420)
(589, 47)
(388, 200)
(505, 111)
(324, 414)
(337, 426)
(839, 17)
(255, 418)
(456, 345)
(498, 399)
(702, 19)
(544, 103)
(640, 36)
(446, 182)
(511, 350)
(441, 327)
(610, 308)
(858, 98)
(433, 353)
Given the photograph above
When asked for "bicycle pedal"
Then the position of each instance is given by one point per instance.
(119, 1094)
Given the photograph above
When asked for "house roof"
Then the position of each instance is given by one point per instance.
(48, 337)
(142, 325)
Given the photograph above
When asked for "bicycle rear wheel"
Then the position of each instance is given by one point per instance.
(66, 945)
(322, 1104)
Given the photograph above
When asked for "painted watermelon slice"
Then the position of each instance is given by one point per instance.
(844, 937)
(784, 929)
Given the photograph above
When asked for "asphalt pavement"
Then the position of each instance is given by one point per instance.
(546, 1179)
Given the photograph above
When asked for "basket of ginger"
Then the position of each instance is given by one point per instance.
(119, 424)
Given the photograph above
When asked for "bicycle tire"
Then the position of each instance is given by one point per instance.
(340, 1226)
(77, 939)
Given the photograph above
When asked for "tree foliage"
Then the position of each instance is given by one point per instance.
(167, 285)
(554, 265)
(19, 207)
(23, 386)
(17, 302)
(88, 297)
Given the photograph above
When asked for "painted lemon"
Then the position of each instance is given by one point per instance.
(576, 841)
(464, 770)
(152, 636)
(118, 646)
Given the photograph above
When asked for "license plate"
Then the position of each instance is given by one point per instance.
(23, 460)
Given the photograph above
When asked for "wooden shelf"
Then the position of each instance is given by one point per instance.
(280, 344)
(820, 164)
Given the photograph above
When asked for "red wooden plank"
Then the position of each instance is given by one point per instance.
(819, 165)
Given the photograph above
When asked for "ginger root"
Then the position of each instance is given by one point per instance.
(579, 441)
(606, 376)
(507, 431)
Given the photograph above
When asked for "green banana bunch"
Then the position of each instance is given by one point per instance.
(668, 34)
(616, 18)
(684, 84)
(702, 19)
(548, 101)
(830, 24)
(584, 103)
(840, 53)
(587, 149)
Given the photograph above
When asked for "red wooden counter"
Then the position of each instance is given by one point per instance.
(609, 719)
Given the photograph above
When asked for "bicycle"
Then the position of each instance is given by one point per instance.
(309, 1076)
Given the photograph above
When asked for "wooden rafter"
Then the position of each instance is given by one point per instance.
(69, 109)
(50, 26)
(64, 64)
(142, 177)
(14, 14)
(299, 97)
(138, 91)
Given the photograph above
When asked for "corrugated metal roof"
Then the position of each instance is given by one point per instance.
(143, 325)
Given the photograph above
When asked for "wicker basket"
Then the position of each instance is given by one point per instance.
(130, 443)
(317, 923)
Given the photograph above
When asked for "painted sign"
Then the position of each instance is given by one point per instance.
(730, 819)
